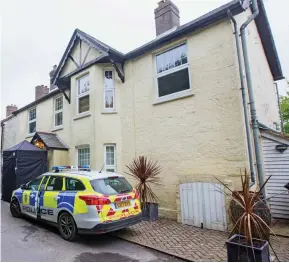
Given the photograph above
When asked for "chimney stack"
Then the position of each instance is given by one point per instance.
(51, 74)
(166, 16)
(41, 91)
(9, 109)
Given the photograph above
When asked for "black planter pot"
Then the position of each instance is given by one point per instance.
(150, 212)
(238, 251)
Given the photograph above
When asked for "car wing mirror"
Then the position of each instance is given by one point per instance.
(23, 186)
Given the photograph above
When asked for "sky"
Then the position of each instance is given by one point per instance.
(35, 33)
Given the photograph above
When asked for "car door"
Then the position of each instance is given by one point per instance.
(51, 198)
(30, 197)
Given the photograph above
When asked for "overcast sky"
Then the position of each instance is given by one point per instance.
(35, 33)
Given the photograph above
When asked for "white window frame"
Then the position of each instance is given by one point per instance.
(79, 96)
(30, 121)
(106, 166)
(109, 89)
(55, 112)
(178, 94)
(79, 148)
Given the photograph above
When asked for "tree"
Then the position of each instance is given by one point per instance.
(285, 111)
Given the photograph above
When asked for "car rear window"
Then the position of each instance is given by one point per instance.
(111, 186)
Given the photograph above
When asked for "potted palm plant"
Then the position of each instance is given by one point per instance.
(251, 217)
(146, 173)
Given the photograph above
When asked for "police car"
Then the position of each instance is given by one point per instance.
(78, 201)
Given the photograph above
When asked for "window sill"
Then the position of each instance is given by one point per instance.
(57, 129)
(172, 97)
(109, 112)
(80, 116)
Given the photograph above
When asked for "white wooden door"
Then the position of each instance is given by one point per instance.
(203, 205)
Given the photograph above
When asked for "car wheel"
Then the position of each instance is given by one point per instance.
(67, 227)
(15, 208)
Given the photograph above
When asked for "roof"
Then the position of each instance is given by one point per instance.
(49, 95)
(7, 119)
(91, 175)
(215, 15)
(262, 24)
(24, 146)
(267, 129)
(50, 140)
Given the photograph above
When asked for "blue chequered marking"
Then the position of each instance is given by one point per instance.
(66, 200)
(41, 199)
(18, 194)
(34, 198)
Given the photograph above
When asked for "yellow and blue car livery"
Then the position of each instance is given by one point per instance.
(98, 202)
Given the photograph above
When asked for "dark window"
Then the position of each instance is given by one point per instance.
(83, 104)
(174, 82)
(111, 186)
(55, 183)
(74, 185)
(43, 183)
(34, 184)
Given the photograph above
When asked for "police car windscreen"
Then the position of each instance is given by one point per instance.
(111, 186)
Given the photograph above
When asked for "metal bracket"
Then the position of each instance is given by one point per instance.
(64, 93)
(119, 71)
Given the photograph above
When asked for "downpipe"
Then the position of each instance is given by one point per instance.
(244, 99)
(253, 111)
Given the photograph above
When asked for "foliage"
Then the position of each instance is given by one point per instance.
(146, 173)
(249, 222)
(286, 128)
(285, 111)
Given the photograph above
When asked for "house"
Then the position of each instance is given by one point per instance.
(176, 99)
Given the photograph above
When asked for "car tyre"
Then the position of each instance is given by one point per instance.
(15, 208)
(67, 227)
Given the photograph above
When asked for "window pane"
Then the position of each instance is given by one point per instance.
(109, 99)
(58, 119)
(83, 104)
(59, 104)
(32, 127)
(111, 186)
(84, 156)
(55, 183)
(43, 183)
(174, 82)
(34, 184)
(172, 58)
(32, 114)
(83, 85)
(108, 80)
(74, 185)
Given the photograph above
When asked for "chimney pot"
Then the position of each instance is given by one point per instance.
(166, 16)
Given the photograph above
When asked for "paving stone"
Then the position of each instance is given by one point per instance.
(188, 242)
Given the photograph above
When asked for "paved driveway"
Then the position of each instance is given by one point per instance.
(27, 240)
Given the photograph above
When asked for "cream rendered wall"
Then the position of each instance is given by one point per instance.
(262, 79)
(194, 138)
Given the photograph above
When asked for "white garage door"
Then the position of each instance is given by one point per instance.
(203, 205)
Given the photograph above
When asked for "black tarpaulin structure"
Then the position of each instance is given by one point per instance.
(21, 163)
